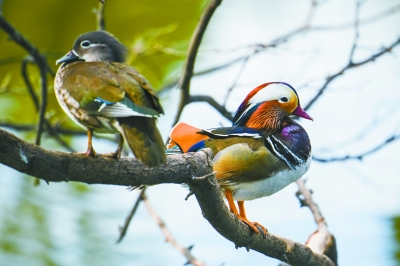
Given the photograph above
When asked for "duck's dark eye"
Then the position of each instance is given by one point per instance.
(284, 99)
(85, 44)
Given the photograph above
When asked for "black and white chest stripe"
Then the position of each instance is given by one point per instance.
(284, 153)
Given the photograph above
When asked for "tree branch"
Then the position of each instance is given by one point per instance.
(359, 156)
(124, 228)
(25, 77)
(101, 24)
(41, 62)
(350, 65)
(321, 241)
(170, 238)
(208, 99)
(184, 168)
(192, 53)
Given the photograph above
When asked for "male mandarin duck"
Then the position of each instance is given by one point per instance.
(263, 152)
(103, 95)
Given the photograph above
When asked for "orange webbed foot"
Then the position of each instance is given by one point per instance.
(256, 227)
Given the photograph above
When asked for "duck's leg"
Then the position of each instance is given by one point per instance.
(243, 217)
(232, 206)
(90, 151)
(233, 209)
(117, 153)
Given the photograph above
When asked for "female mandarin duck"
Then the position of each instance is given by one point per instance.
(264, 150)
(103, 95)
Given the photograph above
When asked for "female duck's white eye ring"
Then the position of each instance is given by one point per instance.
(284, 99)
(85, 44)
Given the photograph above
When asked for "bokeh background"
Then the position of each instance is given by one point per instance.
(77, 224)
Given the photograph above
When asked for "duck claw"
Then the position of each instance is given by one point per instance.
(256, 227)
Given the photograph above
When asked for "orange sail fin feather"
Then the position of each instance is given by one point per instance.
(185, 136)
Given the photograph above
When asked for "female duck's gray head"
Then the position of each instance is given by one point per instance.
(95, 46)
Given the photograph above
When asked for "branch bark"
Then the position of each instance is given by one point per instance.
(193, 169)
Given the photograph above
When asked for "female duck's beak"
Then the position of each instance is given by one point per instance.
(71, 56)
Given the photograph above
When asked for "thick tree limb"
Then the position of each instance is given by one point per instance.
(184, 168)
(33, 160)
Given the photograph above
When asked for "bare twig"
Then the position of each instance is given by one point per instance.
(41, 62)
(350, 65)
(100, 15)
(124, 228)
(383, 14)
(230, 89)
(175, 83)
(56, 129)
(170, 238)
(321, 241)
(25, 77)
(359, 156)
(192, 53)
(208, 99)
(356, 30)
(43, 105)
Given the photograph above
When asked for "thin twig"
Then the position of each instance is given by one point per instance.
(192, 53)
(43, 105)
(356, 29)
(230, 89)
(350, 65)
(1, 7)
(169, 237)
(25, 77)
(100, 16)
(56, 129)
(208, 99)
(383, 14)
(41, 62)
(359, 156)
(124, 228)
(321, 241)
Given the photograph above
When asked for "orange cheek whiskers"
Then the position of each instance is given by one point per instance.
(267, 118)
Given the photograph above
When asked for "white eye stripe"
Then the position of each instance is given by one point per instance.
(275, 91)
(86, 44)
(272, 92)
(96, 44)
